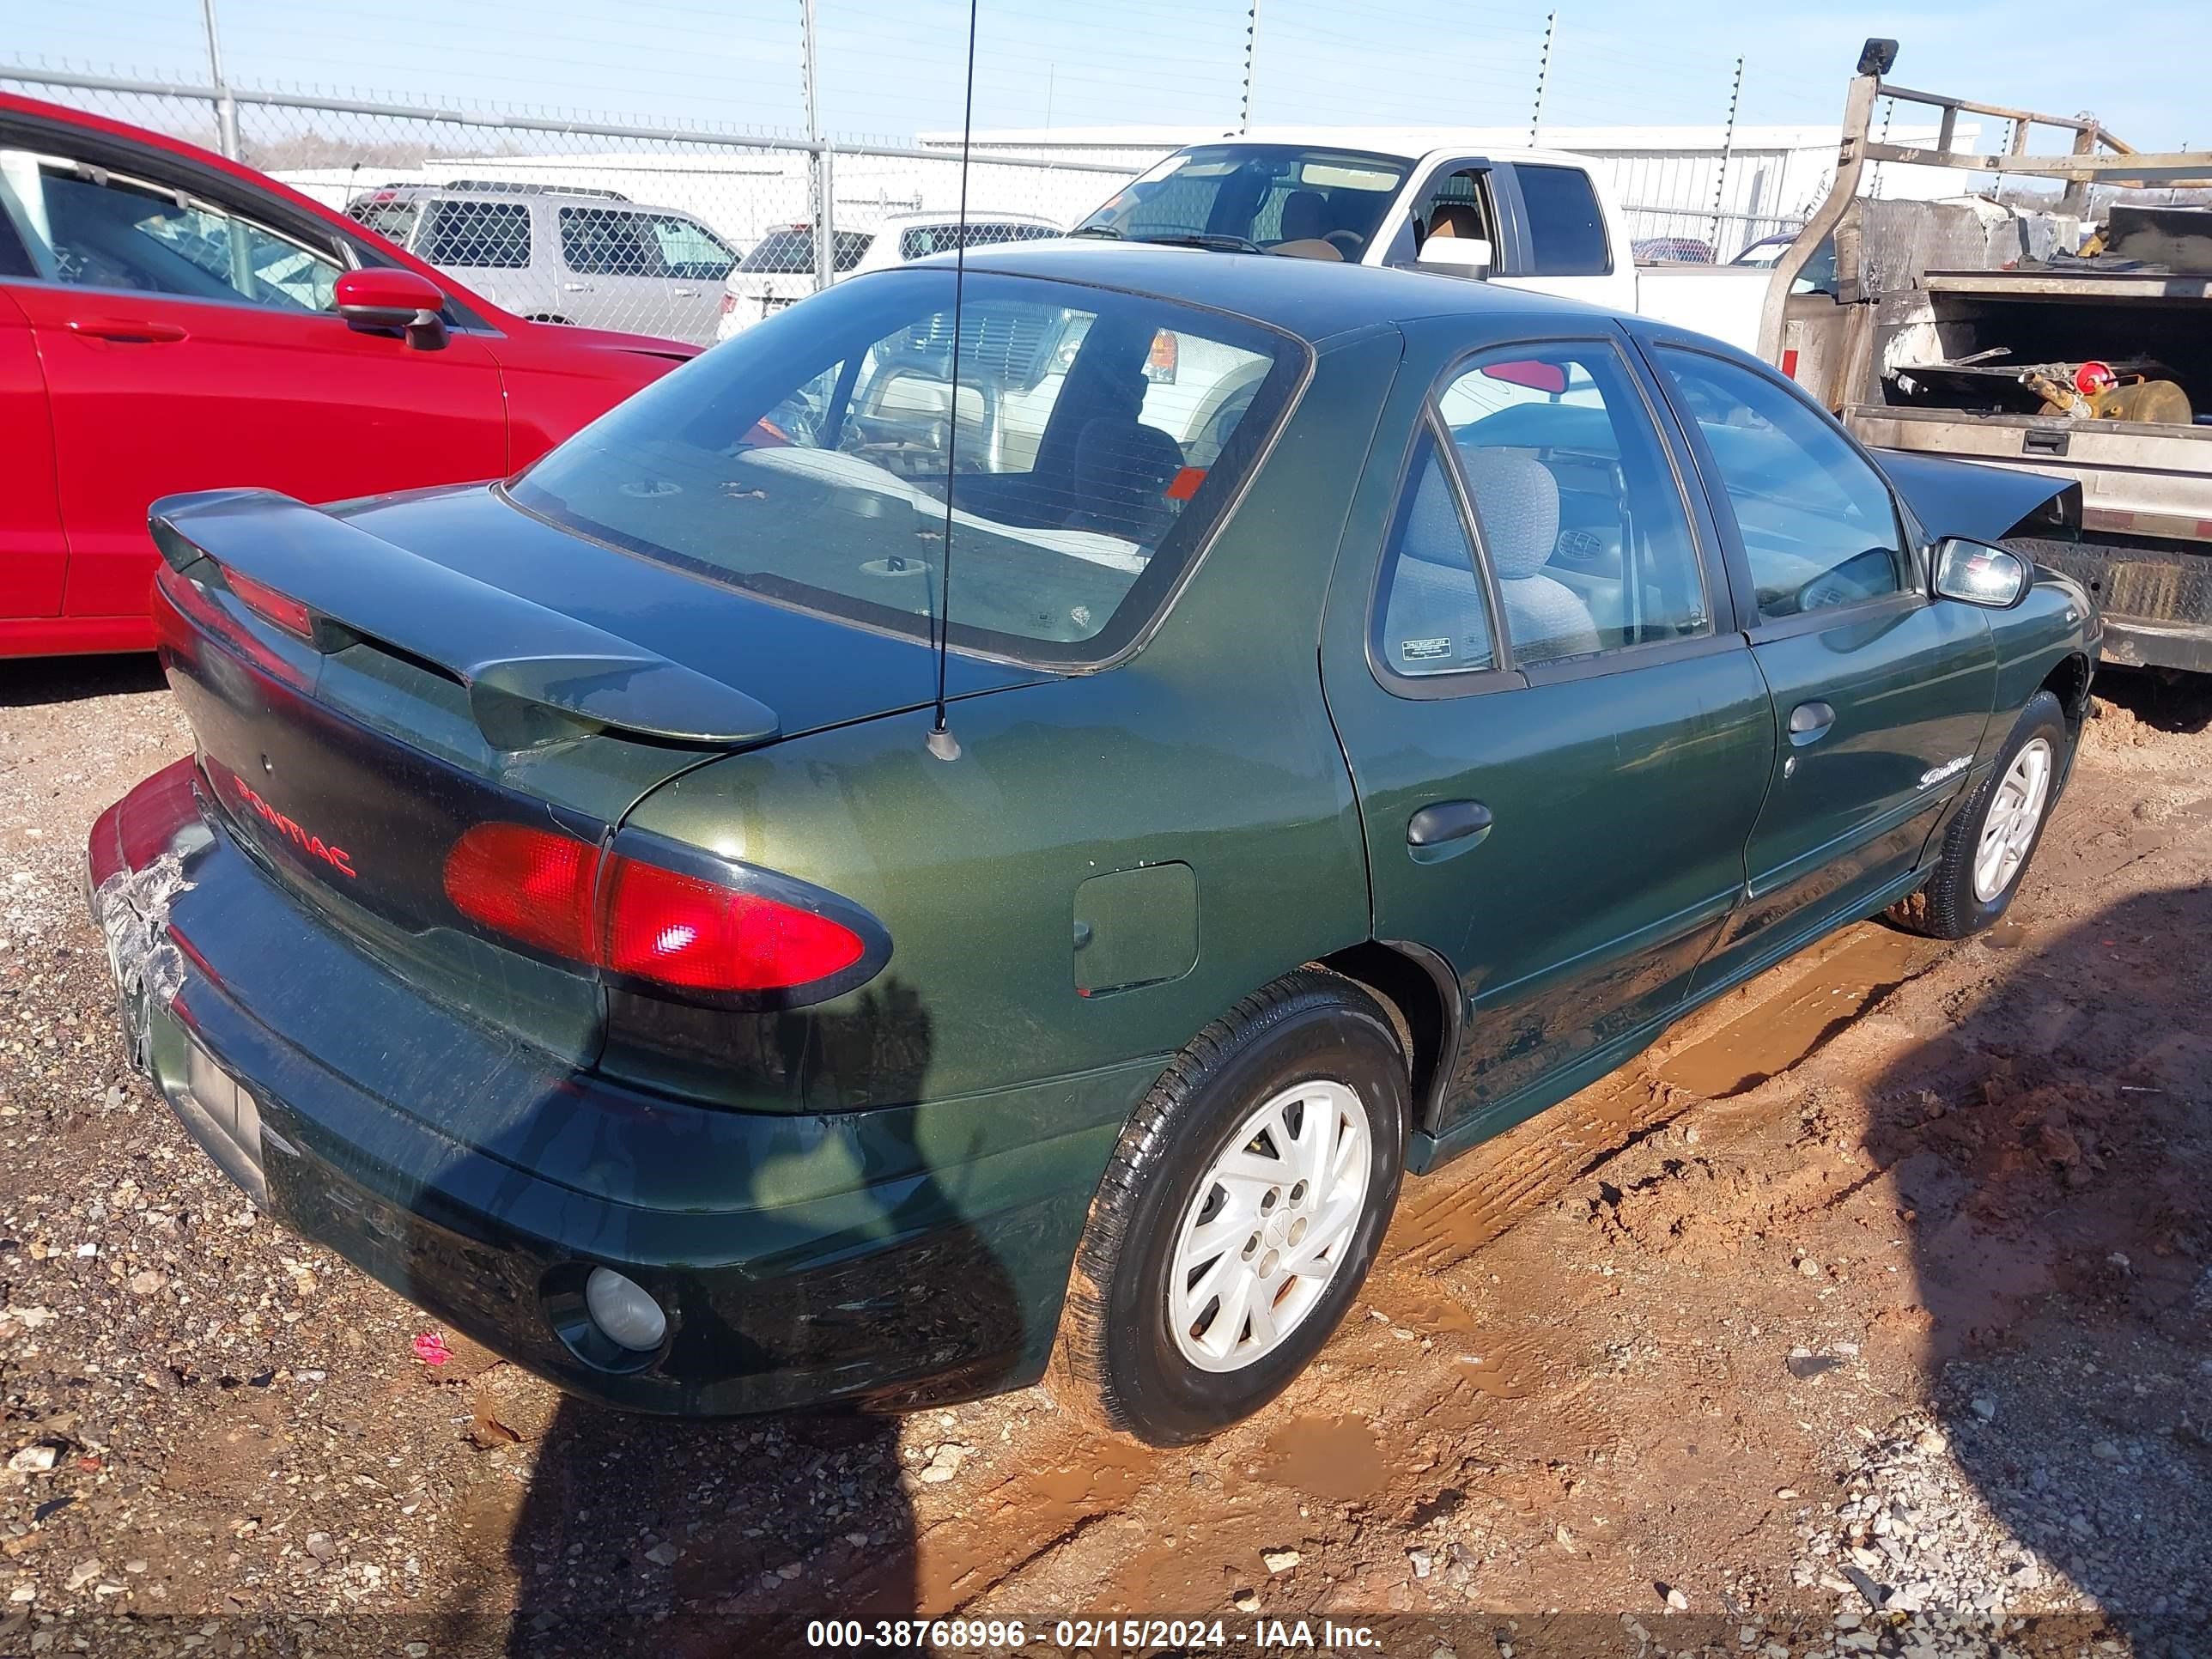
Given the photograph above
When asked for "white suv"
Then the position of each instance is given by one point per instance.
(778, 269)
(589, 257)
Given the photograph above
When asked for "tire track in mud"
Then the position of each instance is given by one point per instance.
(1415, 1368)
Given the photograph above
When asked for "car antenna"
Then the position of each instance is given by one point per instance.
(942, 743)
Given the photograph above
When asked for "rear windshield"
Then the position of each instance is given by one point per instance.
(1276, 197)
(394, 221)
(791, 253)
(1092, 440)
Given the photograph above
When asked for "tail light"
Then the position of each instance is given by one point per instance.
(713, 930)
(1160, 361)
(729, 303)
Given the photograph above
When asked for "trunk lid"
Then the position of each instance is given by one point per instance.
(365, 685)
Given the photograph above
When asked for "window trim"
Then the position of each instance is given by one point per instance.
(1721, 611)
(1500, 675)
(1756, 627)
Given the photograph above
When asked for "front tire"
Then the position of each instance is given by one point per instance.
(1243, 1205)
(1987, 848)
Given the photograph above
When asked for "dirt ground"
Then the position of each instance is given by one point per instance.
(1870, 1312)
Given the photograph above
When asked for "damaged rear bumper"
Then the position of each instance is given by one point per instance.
(889, 1258)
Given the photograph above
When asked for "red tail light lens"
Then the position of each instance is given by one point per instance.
(676, 929)
(640, 919)
(530, 884)
(265, 602)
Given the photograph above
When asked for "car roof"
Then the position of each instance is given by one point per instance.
(1393, 142)
(1312, 298)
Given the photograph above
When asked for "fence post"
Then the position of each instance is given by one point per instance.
(1251, 61)
(819, 161)
(1543, 76)
(1727, 148)
(226, 106)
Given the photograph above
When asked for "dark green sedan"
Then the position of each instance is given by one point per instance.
(999, 817)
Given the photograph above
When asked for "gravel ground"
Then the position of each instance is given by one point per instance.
(1870, 1313)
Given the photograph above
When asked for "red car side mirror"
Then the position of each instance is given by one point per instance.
(387, 299)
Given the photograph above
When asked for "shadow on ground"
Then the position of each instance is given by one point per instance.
(2053, 1155)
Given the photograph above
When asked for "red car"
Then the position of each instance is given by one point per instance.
(170, 320)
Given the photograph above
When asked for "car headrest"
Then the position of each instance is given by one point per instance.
(1518, 501)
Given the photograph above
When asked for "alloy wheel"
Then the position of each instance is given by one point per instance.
(1270, 1225)
(2015, 813)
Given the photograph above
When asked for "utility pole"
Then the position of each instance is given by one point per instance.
(226, 106)
(1727, 148)
(1251, 62)
(825, 235)
(1543, 75)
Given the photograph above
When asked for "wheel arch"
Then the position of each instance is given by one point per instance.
(2069, 682)
(1419, 991)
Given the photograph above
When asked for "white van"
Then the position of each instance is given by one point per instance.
(778, 269)
(589, 257)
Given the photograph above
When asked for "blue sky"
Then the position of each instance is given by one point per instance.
(889, 67)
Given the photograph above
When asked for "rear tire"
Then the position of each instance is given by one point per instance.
(1243, 1205)
(1988, 846)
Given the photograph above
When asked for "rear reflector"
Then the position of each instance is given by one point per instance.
(640, 919)
(528, 883)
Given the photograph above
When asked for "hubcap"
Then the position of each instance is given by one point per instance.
(2014, 812)
(1270, 1226)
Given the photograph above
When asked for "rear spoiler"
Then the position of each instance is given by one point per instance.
(533, 675)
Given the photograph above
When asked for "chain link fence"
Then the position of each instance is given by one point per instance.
(692, 232)
(687, 233)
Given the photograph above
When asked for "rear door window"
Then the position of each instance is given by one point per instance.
(808, 460)
(480, 235)
(609, 242)
(1579, 512)
(1566, 228)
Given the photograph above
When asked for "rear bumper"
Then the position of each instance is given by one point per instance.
(891, 1258)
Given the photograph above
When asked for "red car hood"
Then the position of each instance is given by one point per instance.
(602, 339)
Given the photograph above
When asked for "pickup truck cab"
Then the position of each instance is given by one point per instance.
(1534, 219)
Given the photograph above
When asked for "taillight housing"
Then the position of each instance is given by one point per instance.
(654, 916)
(278, 610)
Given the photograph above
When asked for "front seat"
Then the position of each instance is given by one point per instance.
(1518, 501)
(1122, 471)
(1305, 225)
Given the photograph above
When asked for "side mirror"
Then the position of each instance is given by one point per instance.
(1975, 572)
(1457, 256)
(390, 300)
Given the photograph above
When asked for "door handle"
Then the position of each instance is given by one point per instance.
(127, 330)
(1448, 827)
(1809, 723)
(575, 288)
(687, 293)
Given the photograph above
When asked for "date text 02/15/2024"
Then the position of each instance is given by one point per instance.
(1008, 1635)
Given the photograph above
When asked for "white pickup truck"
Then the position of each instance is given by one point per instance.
(1531, 218)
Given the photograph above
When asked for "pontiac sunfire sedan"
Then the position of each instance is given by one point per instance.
(1375, 706)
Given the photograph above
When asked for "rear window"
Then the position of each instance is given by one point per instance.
(393, 221)
(791, 253)
(806, 461)
(919, 241)
(1564, 225)
(482, 235)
